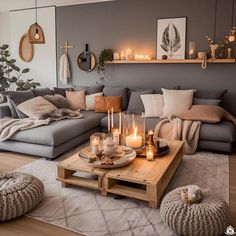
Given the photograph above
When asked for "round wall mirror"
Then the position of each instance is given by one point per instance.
(86, 60)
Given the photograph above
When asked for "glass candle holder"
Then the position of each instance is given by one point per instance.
(116, 136)
(150, 152)
(94, 144)
(192, 50)
(133, 130)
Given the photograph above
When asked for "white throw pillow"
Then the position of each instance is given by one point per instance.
(36, 107)
(176, 101)
(90, 101)
(153, 104)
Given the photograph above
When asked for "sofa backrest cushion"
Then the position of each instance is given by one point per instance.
(76, 99)
(123, 92)
(14, 98)
(42, 91)
(62, 91)
(135, 102)
(91, 89)
(210, 94)
(205, 101)
(105, 103)
(57, 100)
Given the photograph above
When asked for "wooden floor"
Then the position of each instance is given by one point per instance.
(25, 226)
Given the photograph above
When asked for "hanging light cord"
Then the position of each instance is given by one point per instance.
(232, 21)
(36, 15)
(216, 4)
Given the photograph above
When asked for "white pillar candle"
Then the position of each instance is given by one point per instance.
(122, 55)
(149, 153)
(116, 136)
(134, 140)
(128, 54)
(94, 143)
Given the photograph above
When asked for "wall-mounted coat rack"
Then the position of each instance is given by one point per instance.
(66, 46)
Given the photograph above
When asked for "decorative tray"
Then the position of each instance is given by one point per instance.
(163, 149)
(123, 157)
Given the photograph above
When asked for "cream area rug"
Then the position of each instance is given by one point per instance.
(87, 212)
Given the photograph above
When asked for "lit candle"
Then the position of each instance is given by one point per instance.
(122, 56)
(116, 56)
(108, 122)
(128, 54)
(134, 140)
(112, 118)
(116, 136)
(149, 153)
(94, 143)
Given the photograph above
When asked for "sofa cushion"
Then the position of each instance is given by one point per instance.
(135, 102)
(57, 100)
(59, 132)
(205, 101)
(210, 94)
(91, 89)
(76, 99)
(62, 91)
(153, 104)
(42, 91)
(105, 103)
(90, 101)
(220, 132)
(123, 92)
(14, 98)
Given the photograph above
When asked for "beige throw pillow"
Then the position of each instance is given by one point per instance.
(76, 99)
(36, 107)
(176, 101)
(153, 104)
(204, 113)
(90, 101)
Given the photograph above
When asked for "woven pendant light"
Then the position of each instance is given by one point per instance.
(35, 32)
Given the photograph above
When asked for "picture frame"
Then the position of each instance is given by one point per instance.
(171, 37)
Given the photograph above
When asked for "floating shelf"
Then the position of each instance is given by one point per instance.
(170, 61)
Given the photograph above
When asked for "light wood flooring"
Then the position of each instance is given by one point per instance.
(25, 226)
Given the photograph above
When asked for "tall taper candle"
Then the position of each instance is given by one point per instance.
(112, 118)
(120, 122)
(108, 123)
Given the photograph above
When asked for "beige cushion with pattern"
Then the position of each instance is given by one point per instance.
(204, 113)
(76, 99)
(36, 107)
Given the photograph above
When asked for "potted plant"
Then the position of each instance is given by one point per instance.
(105, 55)
(11, 75)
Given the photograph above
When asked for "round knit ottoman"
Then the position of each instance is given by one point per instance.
(210, 217)
(19, 193)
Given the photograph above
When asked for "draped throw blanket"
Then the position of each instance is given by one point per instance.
(174, 128)
(64, 69)
(9, 126)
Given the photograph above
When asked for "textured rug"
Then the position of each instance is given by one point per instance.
(87, 212)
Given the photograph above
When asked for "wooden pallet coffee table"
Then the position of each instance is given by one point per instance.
(141, 179)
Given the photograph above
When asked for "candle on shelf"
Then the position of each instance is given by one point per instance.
(149, 153)
(116, 136)
(192, 50)
(122, 55)
(134, 140)
(142, 57)
(150, 137)
(94, 143)
(128, 54)
(108, 121)
(112, 118)
(116, 56)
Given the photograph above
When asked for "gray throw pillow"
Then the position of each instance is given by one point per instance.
(91, 89)
(159, 91)
(57, 100)
(210, 94)
(135, 102)
(205, 101)
(14, 98)
(123, 92)
(42, 92)
(62, 91)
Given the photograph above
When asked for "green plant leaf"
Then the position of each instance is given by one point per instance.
(12, 61)
(26, 70)
(4, 46)
(15, 68)
(13, 79)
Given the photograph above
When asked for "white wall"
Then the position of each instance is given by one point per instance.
(43, 65)
(4, 28)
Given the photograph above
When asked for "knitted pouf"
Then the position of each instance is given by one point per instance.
(19, 193)
(210, 217)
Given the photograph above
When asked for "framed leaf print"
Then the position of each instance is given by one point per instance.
(171, 36)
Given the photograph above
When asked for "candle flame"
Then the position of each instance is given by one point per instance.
(135, 132)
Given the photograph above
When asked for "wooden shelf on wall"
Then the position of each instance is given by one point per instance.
(171, 61)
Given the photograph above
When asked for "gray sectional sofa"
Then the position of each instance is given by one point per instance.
(58, 137)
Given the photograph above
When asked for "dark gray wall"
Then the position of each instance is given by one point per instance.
(132, 23)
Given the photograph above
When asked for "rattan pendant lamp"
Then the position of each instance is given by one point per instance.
(35, 32)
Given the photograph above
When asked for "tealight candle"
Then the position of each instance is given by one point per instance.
(116, 56)
(94, 143)
(122, 55)
(134, 140)
(128, 54)
(149, 153)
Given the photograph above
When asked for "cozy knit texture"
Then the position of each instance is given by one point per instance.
(19, 193)
(210, 217)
